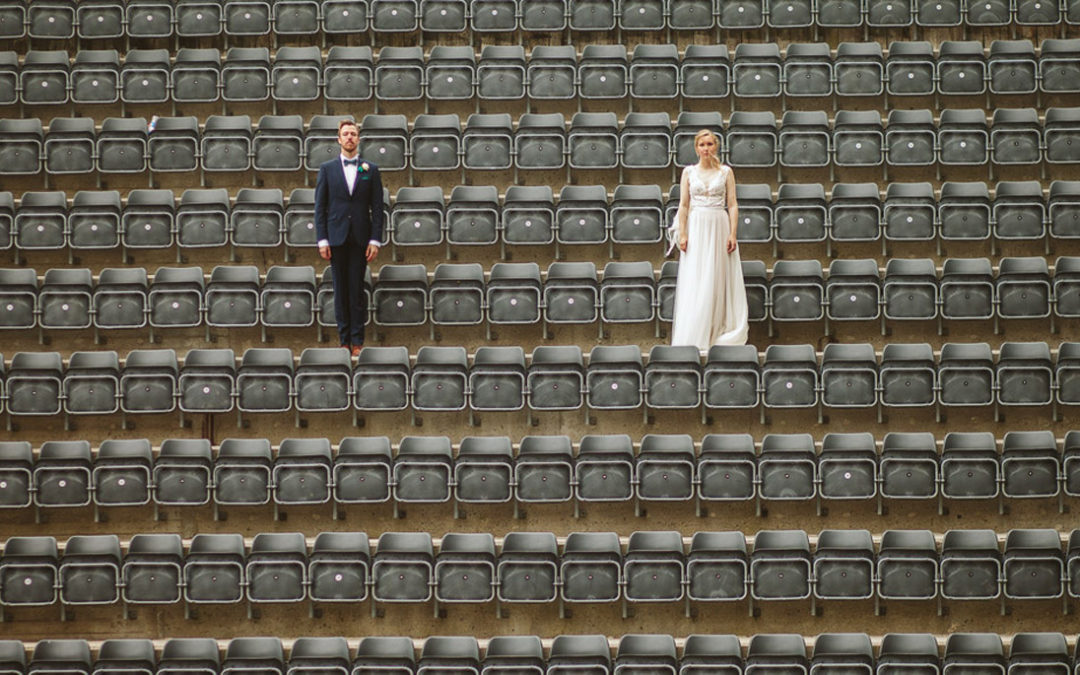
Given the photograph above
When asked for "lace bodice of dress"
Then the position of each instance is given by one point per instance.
(711, 194)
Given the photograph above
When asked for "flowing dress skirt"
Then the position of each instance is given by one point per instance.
(710, 297)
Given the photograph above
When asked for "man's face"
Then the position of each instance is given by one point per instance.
(348, 138)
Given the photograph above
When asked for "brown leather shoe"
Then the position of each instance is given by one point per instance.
(356, 349)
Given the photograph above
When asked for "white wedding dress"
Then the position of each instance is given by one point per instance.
(710, 298)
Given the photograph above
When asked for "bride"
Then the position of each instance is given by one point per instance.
(710, 299)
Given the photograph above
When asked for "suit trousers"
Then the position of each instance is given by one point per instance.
(348, 263)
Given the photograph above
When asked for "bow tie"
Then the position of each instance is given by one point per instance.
(351, 162)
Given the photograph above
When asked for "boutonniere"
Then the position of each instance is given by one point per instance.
(364, 166)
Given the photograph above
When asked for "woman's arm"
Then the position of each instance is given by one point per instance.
(732, 209)
(683, 214)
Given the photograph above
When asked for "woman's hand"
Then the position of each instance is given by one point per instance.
(682, 242)
(731, 244)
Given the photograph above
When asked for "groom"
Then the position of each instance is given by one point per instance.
(349, 222)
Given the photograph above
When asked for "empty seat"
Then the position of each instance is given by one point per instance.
(967, 290)
(278, 144)
(757, 70)
(152, 569)
(527, 569)
(196, 75)
(440, 378)
(1023, 288)
(673, 377)
(16, 474)
(787, 467)
(859, 67)
(907, 565)
(804, 139)
(1030, 464)
(402, 568)
(1058, 67)
(604, 468)
(302, 471)
(974, 650)
(626, 292)
(401, 295)
(436, 142)
(450, 72)
(381, 379)
(843, 567)
(603, 72)
(909, 70)
(145, 76)
(645, 141)
(23, 146)
(705, 71)
(417, 218)
(337, 568)
(348, 73)
(1060, 130)
(90, 570)
(742, 15)
(242, 472)
(232, 296)
(908, 375)
(247, 654)
(45, 78)
(182, 654)
(344, 16)
(727, 467)
(362, 469)
(970, 466)
(1012, 67)
(18, 298)
(909, 466)
(65, 299)
(716, 570)
(780, 567)
(276, 567)
(591, 571)
(182, 472)
(1015, 136)
(121, 474)
(287, 298)
(654, 69)
(614, 377)
(910, 138)
(397, 15)
(199, 19)
(1019, 211)
(34, 387)
(964, 211)
(840, 13)
(963, 137)
(841, 651)
(487, 144)
(264, 381)
(543, 470)
(465, 569)
(857, 139)
(176, 297)
(122, 148)
(29, 571)
(915, 651)
(245, 75)
(653, 571)
(731, 377)
(53, 656)
(752, 139)
(909, 213)
(500, 73)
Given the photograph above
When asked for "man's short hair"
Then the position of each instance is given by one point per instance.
(346, 123)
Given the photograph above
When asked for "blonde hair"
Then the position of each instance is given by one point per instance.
(714, 162)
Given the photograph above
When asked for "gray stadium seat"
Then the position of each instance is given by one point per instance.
(1012, 66)
(840, 13)
(716, 570)
(603, 72)
(780, 568)
(556, 378)
(65, 299)
(1019, 211)
(653, 570)
(909, 211)
(242, 471)
(62, 472)
(1030, 464)
(591, 571)
(843, 568)
(645, 141)
(89, 571)
(593, 15)
(797, 290)
(593, 141)
(654, 70)
(627, 292)
(9, 73)
(226, 143)
(791, 14)
(95, 76)
(395, 16)
(1066, 291)
(195, 18)
(323, 383)
(966, 374)
(417, 218)
(450, 73)
(264, 381)
(422, 468)
(23, 146)
(604, 468)
(731, 377)
(401, 296)
(907, 565)
(497, 379)
(399, 73)
(150, 19)
(727, 468)
(493, 16)
(69, 145)
(1039, 650)
(436, 142)
(527, 570)
(614, 377)
(967, 289)
(513, 293)
(885, 14)
(1023, 288)
(800, 213)
(440, 379)
(276, 568)
(308, 654)
(757, 70)
(483, 470)
(849, 377)
(344, 16)
(842, 650)
(513, 653)
(176, 297)
(636, 214)
(94, 220)
(705, 71)
(278, 143)
(13, 21)
(581, 216)
(152, 569)
(182, 472)
(256, 218)
(91, 386)
(299, 218)
(196, 75)
(543, 471)
(457, 294)
(571, 293)
(673, 377)
(742, 15)
(18, 298)
(41, 221)
(807, 66)
(909, 465)
(787, 467)
(381, 379)
(296, 73)
(464, 572)
(1015, 136)
(751, 139)
(246, 17)
(34, 386)
(909, 69)
(853, 290)
(472, 216)
(907, 375)
(338, 567)
(245, 76)
(1060, 130)
(1059, 70)
(528, 215)
(181, 654)
(964, 211)
(45, 77)
(402, 569)
(122, 148)
(148, 381)
(970, 567)
(500, 73)
(53, 656)
(859, 67)
(910, 138)
(552, 72)
(28, 569)
(969, 466)
(963, 137)
(207, 381)
(147, 221)
(961, 68)
(348, 73)
(145, 76)
(362, 467)
(214, 569)
(174, 145)
(664, 470)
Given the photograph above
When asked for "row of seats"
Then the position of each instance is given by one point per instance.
(592, 567)
(62, 19)
(508, 654)
(554, 378)
(517, 293)
(550, 72)
(491, 469)
(476, 215)
(593, 140)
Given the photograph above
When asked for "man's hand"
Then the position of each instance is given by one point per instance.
(324, 252)
(372, 251)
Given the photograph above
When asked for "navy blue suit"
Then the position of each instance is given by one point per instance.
(348, 222)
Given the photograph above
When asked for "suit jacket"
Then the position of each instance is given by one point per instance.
(339, 215)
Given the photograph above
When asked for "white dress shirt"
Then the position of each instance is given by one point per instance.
(350, 179)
